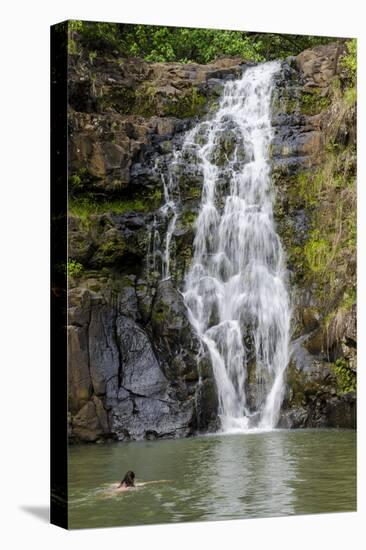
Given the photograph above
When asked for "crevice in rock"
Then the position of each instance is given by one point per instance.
(119, 354)
(134, 394)
(88, 350)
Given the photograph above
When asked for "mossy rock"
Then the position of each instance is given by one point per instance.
(345, 376)
(286, 103)
(110, 252)
(316, 343)
(122, 101)
(188, 218)
(193, 192)
(225, 147)
(295, 386)
(201, 135)
(313, 103)
(85, 206)
(310, 318)
(190, 105)
(146, 100)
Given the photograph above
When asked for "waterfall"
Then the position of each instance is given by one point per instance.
(235, 290)
(169, 210)
(153, 247)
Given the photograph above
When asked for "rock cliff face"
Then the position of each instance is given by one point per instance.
(314, 169)
(135, 366)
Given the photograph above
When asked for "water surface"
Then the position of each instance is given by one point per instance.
(215, 477)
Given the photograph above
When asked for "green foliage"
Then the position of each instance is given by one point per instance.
(97, 36)
(313, 103)
(349, 62)
(346, 377)
(185, 45)
(159, 43)
(189, 218)
(145, 100)
(350, 96)
(348, 300)
(72, 47)
(84, 207)
(92, 56)
(74, 27)
(308, 186)
(318, 252)
(194, 192)
(326, 259)
(155, 197)
(75, 180)
(74, 268)
(79, 181)
(111, 250)
(190, 105)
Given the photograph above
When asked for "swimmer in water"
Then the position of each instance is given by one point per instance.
(128, 481)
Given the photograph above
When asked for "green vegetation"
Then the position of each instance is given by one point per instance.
(190, 105)
(349, 62)
(329, 195)
(325, 256)
(346, 377)
(84, 207)
(313, 103)
(318, 252)
(79, 182)
(111, 251)
(92, 56)
(159, 43)
(145, 100)
(308, 187)
(74, 27)
(350, 96)
(188, 218)
(349, 65)
(194, 192)
(348, 300)
(75, 180)
(330, 248)
(74, 268)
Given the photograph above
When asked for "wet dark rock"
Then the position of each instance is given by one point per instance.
(121, 390)
(174, 339)
(216, 84)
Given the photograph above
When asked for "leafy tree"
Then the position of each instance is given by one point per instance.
(74, 268)
(159, 43)
(349, 61)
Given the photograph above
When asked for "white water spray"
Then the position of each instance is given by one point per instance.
(170, 211)
(235, 290)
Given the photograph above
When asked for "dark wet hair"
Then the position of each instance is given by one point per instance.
(129, 479)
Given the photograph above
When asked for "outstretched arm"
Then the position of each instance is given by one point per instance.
(142, 483)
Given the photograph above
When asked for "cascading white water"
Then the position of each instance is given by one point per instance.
(235, 290)
(169, 210)
(159, 249)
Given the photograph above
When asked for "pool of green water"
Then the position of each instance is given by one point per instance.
(214, 477)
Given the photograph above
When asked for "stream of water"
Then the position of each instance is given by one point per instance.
(235, 290)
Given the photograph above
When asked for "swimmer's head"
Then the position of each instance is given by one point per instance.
(129, 479)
